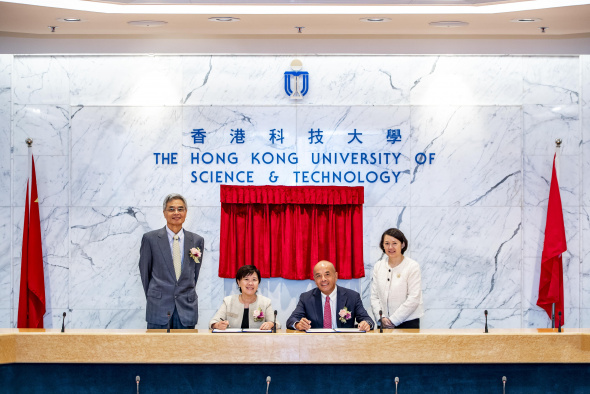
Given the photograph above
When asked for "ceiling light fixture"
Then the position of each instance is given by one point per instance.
(224, 19)
(449, 24)
(147, 23)
(375, 20)
(526, 20)
(70, 20)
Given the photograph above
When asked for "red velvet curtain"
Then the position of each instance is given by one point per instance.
(285, 230)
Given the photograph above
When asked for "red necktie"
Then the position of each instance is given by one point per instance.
(327, 314)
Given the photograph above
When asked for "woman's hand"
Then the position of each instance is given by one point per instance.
(222, 325)
(386, 323)
(268, 325)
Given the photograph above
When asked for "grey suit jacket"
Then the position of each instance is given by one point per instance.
(232, 310)
(163, 292)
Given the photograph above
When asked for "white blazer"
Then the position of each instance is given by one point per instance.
(232, 310)
(397, 291)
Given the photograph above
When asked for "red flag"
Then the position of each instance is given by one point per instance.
(31, 303)
(551, 282)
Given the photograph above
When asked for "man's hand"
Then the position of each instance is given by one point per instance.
(268, 325)
(364, 326)
(303, 324)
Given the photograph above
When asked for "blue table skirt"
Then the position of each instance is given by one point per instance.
(294, 378)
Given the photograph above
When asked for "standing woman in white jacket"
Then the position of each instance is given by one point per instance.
(396, 288)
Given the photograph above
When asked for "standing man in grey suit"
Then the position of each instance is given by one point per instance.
(169, 263)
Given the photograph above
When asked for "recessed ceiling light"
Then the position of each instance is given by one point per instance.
(69, 19)
(224, 19)
(375, 20)
(147, 23)
(449, 24)
(526, 20)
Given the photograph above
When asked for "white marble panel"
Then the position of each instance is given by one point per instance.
(585, 260)
(468, 80)
(5, 261)
(53, 180)
(5, 318)
(113, 161)
(551, 80)
(534, 231)
(5, 105)
(370, 164)
(205, 316)
(477, 156)
(537, 180)
(543, 124)
(469, 257)
(41, 80)
(205, 221)
(47, 125)
(584, 317)
(471, 318)
(54, 231)
(126, 80)
(235, 80)
(105, 319)
(363, 80)
(104, 271)
(5, 77)
(224, 154)
(585, 125)
(57, 286)
(536, 317)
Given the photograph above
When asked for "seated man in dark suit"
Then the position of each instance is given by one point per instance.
(329, 306)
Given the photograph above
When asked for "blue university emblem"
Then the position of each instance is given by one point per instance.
(296, 81)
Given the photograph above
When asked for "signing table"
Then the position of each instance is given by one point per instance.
(466, 360)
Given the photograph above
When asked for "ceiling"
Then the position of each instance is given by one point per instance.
(319, 18)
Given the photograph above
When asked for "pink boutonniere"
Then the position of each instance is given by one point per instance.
(344, 315)
(258, 314)
(195, 254)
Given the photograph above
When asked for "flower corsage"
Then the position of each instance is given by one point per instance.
(195, 253)
(344, 315)
(258, 314)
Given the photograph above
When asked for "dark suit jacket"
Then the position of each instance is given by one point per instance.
(310, 307)
(163, 292)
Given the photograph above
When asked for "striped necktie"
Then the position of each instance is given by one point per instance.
(176, 256)
(327, 314)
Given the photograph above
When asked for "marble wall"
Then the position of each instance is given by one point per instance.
(474, 218)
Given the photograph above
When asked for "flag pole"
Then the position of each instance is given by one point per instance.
(29, 142)
(557, 154)
(557, 172)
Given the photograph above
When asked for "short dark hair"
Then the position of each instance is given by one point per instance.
(395, 233)
(247, 270)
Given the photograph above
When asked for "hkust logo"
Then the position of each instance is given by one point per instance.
(296, 81)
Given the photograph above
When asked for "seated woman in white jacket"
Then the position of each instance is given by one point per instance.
(396, 286)
(245, 310)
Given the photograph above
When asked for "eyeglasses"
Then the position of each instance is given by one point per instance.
(179, 210)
